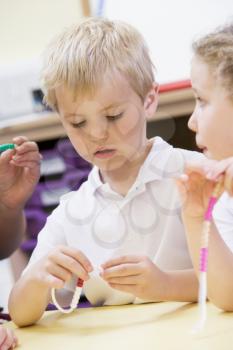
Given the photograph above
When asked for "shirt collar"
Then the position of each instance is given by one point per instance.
(152, 169)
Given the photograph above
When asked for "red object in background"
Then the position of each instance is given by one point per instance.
(178, 85)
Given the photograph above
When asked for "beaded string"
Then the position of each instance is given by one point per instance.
(202, 296)
(74, 301)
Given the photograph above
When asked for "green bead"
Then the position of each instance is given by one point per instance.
(6, 146)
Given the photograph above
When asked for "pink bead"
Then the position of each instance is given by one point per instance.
(208, 213)
(203, 259)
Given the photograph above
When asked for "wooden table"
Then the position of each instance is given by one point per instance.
(157, 326)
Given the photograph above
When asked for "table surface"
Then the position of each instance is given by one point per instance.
(147, 326)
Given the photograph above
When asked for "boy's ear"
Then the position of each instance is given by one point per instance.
(151, 101)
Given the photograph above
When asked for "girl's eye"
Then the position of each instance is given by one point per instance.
(78, 125)
(114, 117)
(200, 101)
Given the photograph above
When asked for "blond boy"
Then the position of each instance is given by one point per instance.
(125, 220)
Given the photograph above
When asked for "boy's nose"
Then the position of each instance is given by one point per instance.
(192, 122)
(99, 131)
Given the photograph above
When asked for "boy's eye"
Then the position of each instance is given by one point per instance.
(114, 117)
(78, 125)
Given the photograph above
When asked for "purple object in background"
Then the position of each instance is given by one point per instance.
(62, 170)
(70, 156)
(36, 219)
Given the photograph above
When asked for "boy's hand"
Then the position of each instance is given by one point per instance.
(56, 268)
(7, 339)
(19, 173)
(137, 275)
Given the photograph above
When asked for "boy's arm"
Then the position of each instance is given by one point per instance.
(182, 285)
(139, 276)
(31, 293)
(28, 300)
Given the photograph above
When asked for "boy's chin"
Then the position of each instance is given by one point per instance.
(111, 164)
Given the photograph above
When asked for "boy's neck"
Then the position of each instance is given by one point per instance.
(122, 179)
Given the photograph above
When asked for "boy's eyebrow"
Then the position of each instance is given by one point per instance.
(112, 105)
(68, 115)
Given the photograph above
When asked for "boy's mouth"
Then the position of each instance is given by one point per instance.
(104, 153)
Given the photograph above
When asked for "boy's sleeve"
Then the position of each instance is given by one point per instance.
(50, 236)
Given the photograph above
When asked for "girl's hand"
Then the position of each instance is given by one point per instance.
(197, 184)
(137, 275)
(19, 173)
(7, 339)
(223, 168)
(56, 268)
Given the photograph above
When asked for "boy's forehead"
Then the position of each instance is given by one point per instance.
(109, 94)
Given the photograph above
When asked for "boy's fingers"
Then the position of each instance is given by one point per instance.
(121, 260)
(60, 272)
(54, 282)
(73, 260)
(78, 256)
(124, 270)
(130, 280)
(71, 264)
(128, 288)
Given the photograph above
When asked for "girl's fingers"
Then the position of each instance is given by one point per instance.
(228, 184)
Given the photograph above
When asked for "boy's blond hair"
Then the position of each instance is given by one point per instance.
(216, 50)
(81, 56)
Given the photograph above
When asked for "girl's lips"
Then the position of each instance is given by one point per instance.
(105, 153)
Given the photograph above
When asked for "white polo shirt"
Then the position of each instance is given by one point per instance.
(103, 224)
(223, 217)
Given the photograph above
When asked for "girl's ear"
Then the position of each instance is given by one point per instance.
(151, 101)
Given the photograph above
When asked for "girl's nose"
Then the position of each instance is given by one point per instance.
(192, 123)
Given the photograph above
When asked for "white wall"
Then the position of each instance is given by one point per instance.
(169, 27)
(26, 26)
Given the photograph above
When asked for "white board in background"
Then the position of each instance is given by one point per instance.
(169, 26)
